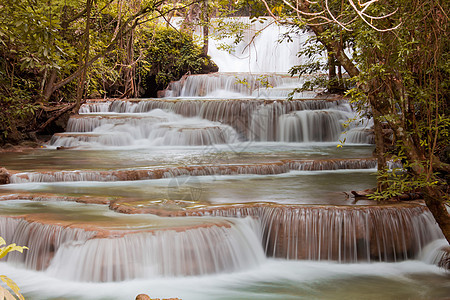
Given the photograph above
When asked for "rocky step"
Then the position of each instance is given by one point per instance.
(388, 232)
(342, 233)
(92, 252)
(88, 122)
(336, 233)
(267, 168)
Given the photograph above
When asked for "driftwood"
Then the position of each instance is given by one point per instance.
(364, 193)
(56, 114)
(402, 197)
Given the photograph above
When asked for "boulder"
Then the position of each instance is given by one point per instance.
(444, 261)
(4, 176)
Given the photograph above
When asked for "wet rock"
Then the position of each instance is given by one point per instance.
(29, 144)
(8, 146)
(444, 262)
(4, 176)
(147, 297)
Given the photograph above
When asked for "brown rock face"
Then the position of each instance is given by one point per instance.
(4, 176)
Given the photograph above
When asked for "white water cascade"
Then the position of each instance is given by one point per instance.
(224, 189)
(256, 67)
(149, 123)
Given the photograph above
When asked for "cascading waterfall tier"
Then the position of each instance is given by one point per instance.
(43, 240)
(237, 85)
(236, 240)
(90, 253)
(345, 234)
(208, 122)
(154, 128)
(266, 168)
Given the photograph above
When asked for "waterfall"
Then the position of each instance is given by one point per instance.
(43, 240)
(124, 212)
(292, 232)
(154, 128)
(79, 255)
(237, 85)
(269, 168)
(340, 233)
(258, 51)
(207, 122)
(309, 126)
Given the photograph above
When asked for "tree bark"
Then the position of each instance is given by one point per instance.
(49, 85)
(81, 90)
(205, 19)
(126, 26)
(434, 200)
(379, 146)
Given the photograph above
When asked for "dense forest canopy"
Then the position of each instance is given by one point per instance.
(62, 51)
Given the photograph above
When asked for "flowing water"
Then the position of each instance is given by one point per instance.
(221, 190)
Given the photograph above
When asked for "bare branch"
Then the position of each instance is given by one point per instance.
(363, 16)
(327, 16)
(334, 19)
(302, 12)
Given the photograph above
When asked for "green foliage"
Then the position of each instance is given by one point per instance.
(399, 181)
(400, 60)
(37, 39)
(260, 82)
(15, 106)
(226, 29)
(407, 71)
(4, 293)
(168, 54)
(44, 43)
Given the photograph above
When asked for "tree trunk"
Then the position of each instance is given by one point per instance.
(48, 91)
(434, 196)
(129, 68)
(379, 146)
(434, 199)
(81, 90)
(205, 19)
(125, 27)
(331, 67)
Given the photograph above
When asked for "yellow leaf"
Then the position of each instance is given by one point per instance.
(12, 285)
(5, 294)
(9, 248)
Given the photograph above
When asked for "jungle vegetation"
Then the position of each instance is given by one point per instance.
(56, 53)
(396, 57)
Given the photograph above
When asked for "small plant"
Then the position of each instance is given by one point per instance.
(4, 293)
